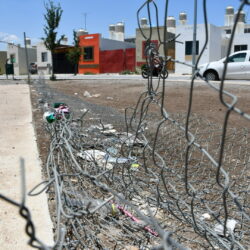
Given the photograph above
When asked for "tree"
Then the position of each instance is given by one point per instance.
(52, 17)
(74, 54)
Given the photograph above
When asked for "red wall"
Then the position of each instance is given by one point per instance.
(92, 66)
(116, 61)
(130, 59)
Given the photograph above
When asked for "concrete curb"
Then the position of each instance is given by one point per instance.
(18, 140)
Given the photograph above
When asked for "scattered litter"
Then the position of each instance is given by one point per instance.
(119, 160)
(75, 93)
(106, 129)
(60, 111)
(49, 117)
(130, 140)
(112, 151)
(96, 95)
(205, 216)
(108, 165)
(41, 101)
(87, 94)
(109, 132)
(83, 110)
(58, 104)
(132, 217)
(135, 166)
(230, 226)
(108, 126)
(102, 158)
(46, 105)
(90, 155)
(110, 98)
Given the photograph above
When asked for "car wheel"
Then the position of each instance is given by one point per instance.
(211, 76)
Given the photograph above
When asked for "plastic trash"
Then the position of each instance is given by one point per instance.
(58, 104)
(130, 139)
(90, 155)
(135, 166)
(230, 226)
(49, 117)
(61, 110)
(119, 160)
(86, 94)
(112, 151)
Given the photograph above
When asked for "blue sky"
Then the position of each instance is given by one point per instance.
(18, 16)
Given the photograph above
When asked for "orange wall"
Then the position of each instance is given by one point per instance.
(94, 65)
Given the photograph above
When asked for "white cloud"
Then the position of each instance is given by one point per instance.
(9, 38)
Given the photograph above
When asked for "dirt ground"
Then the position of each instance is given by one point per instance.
(108, 99)
(123, 94)
(115, 96)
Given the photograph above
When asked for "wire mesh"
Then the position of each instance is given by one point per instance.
(170, 181)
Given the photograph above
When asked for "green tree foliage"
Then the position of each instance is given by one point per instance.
(52, 17)
(74, 54)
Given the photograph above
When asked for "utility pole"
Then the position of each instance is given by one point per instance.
(194, 37)
(26, 55)
(85, 17)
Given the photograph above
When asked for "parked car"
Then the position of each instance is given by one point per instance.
(238, 67)
(33, 68)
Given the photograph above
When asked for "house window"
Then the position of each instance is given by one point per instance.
(153, 42)
(88, 53)
(228, 31)
(240, 47)
(44, 56)
(241, 57)
(12, 58)
(247, 30)
(189, 48)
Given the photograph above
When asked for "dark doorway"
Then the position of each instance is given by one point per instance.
(61, 64)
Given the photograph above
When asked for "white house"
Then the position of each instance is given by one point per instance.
(183, 50)
(218, 40)
(16, 55)
(44, 60)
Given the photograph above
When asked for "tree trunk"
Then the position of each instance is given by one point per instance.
(52, 65)
(76, 68)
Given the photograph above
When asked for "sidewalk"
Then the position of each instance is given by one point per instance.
(110, 76)
(17, 139)
(174, 77)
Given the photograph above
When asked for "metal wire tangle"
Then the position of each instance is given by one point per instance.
(170, 181)
(200, 187)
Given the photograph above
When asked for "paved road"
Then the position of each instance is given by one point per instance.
(172, 77)
(17, 139)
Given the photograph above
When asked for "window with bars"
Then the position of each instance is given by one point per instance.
(247, 30)
(189, 48)
(88, 53)
(44, 56)
(240, 47)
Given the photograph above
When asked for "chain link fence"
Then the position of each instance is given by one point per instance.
(170, 181)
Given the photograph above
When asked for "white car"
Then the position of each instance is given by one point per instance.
(238, 67)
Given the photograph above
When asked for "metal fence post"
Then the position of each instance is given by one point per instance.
(27, 59)
(194, 37)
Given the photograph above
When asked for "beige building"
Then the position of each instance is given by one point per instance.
(3, 58)
(141, 42)
(16, 55)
